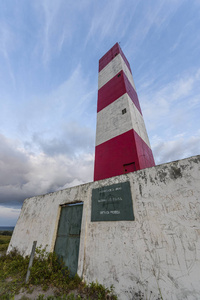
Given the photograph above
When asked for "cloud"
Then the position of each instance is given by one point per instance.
(8, 216)
(172, 102)
(24, 174)
(166, 151)
(147, 18)
(72, 141)
(105, 21)
(7, 39)
(170, 113)
(14, 163)
(7, 45)
(61, 21)
(51, 12)
(47, 117)
(57, 134)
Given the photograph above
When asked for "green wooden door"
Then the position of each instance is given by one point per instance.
(68, 235)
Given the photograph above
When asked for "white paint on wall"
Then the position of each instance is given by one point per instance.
(157, 254)
(112, 69)
(111, 122)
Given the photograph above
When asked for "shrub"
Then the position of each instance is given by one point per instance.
(47, 270)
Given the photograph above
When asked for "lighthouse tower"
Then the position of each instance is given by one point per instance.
(122, 143)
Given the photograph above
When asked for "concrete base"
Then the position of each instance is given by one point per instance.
(158, 253)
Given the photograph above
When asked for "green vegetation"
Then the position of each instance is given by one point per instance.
(6, 232)
(48, 272)
(4, 240)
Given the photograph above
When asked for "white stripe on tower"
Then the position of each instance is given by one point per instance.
(111, 122)
(138, 122)
(112, 69)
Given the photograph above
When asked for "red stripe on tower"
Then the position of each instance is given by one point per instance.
(122, 144)
(114, 89)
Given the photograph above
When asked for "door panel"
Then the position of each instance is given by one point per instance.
(68, 236)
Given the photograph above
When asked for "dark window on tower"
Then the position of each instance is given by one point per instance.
(123, 111)
(119, 75)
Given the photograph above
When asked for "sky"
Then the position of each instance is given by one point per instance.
(49, 53)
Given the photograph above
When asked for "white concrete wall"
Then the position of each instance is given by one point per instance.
(159, 251)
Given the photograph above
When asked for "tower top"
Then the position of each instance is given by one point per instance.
(110, 54)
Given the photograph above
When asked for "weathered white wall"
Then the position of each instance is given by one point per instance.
(159, 251)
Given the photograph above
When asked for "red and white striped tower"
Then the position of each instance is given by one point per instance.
(122, 143)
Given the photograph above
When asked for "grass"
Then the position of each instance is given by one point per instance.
(47, 271)
(4, 241)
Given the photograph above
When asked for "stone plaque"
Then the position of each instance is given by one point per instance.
(112, 203)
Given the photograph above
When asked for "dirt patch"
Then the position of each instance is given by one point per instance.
(36, 291)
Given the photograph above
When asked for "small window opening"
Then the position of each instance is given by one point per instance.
(129, 167)
(119, 75)
(123, 111)
(116, 54)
